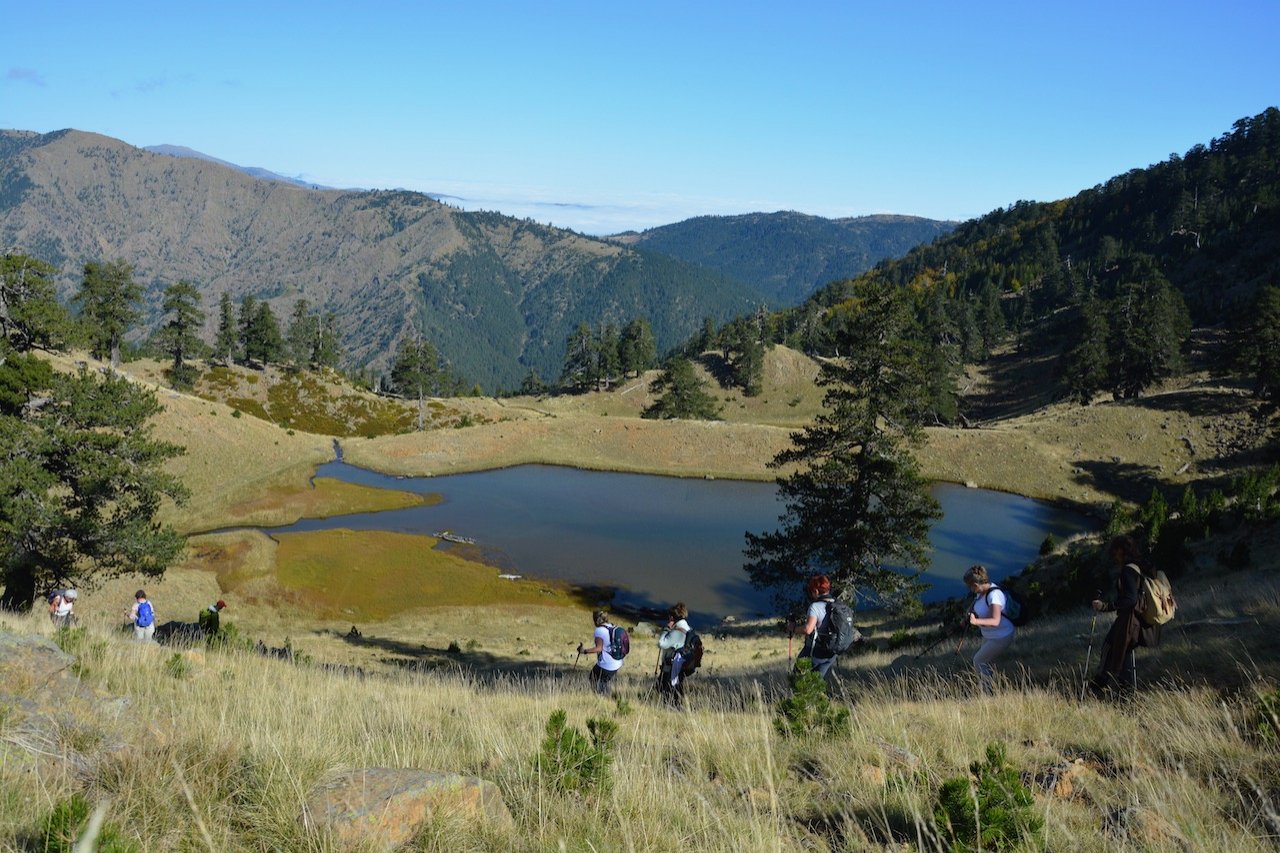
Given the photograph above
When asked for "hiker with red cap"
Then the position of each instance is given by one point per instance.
(209, 618)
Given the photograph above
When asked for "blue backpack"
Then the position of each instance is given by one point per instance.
(1012, 607)
(145, 615)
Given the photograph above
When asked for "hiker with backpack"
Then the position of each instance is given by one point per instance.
(61, 608)
(679, 653)
(210, 619)
(1117, 669)
(143, 617)
(828, 629)
(990, 613)
(610, 644)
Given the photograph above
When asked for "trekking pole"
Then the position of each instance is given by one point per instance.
(578, 658)
(1084, 682)
(947, 635)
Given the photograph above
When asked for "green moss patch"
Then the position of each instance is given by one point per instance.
(284, 505)
(370, 574)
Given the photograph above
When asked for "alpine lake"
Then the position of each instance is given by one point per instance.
(657, 540)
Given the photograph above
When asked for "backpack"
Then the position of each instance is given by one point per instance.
(836, 632)
(54, 594)
(1156, 604)
(145, 615)
(691, 652)
(1012, 609)
(619, 642)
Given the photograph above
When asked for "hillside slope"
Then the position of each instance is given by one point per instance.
(496, 295)
(787, 255)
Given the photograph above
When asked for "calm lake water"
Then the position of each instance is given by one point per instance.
(663, 539)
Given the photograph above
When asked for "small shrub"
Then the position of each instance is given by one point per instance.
(454, 648)
(1266, 717)
(228, 638)
(59, 831)
(235, 413)
(899, 638)
(808, 710)
(177, 666)
(997, 814)
(87, 651)
(569, 762)
(1048, 546)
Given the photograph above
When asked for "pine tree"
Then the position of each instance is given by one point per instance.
(244, 325)
(416, 373)
(107, 297)
(581, 365)
(1260, 350)
(1086, 366)
(226, 343)
(179, 336)
(300, 340)
(637, 351)
(608, 357)
(683, 395)
(261, 336)
(858, 505)
(1149, 327)
(30, 315)
(328, 347)
(83, 477)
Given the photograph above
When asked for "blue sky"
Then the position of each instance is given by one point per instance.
(605, 116)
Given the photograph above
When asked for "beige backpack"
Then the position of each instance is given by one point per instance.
(1156, 604)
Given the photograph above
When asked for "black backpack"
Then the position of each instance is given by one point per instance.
(691, 651)
(836, 632)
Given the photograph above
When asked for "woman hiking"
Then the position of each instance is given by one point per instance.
(1117, 672)
(607, 666)
(988, 614)
(670, 653)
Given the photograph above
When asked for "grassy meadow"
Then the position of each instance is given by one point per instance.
(460, 670)
(217, 750)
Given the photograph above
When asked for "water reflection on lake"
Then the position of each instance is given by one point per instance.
(662, 539)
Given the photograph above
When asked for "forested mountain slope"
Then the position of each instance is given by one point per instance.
(496, 295)
(1209, 219)
(1103, 286)
(787, 255)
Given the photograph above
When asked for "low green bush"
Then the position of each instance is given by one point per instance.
(569, 762)
(991, 810)
(808, 710)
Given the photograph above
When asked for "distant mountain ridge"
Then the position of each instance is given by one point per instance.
(786, 256)
(252, 171)
(497, 295)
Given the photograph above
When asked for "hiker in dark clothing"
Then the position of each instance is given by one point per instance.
(1117, 672)
(820, 601)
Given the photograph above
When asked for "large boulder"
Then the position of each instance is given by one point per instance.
(47, 708)
(385, 807)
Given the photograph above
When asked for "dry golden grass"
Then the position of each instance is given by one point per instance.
(249, 737)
